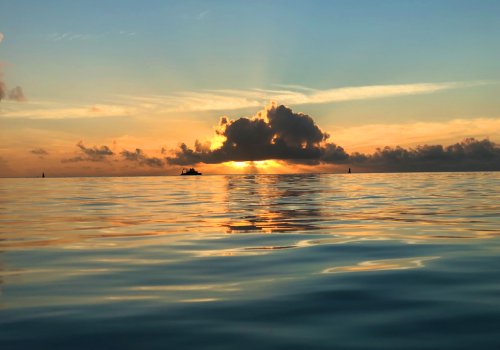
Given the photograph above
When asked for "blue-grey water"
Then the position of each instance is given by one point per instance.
(360, 261)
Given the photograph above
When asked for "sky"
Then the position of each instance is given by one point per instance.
(96, 88)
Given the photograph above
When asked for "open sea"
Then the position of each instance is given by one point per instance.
(359, 261)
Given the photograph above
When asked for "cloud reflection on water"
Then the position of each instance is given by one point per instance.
(381, 265)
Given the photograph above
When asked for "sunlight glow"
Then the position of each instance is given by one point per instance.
(216, 142)
(239, 165)
(257, 164)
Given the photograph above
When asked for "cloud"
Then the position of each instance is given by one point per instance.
(202, 15)
(367, 137)
(39, 152)
(71, 36)
(15, 94)
(3, 89)
(276, 133)
(92, 154)
(469, 154)
(233, 99)
(279, 133)
(197, 17)
(51, 110)
(140, 158)
(371, 92)
(67, 36)
(1, 37)
(224, 100)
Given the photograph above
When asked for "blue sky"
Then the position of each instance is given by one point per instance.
(164, 46)
(101, 53)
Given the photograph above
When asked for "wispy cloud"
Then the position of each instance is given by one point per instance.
(202, 15)
(197, 16)
(1, 37)
(67, 36)
(55, 110)
(126, 33)
(228, 99)
(233, 99)
(39, 152)
(371, 92)
(71, 36)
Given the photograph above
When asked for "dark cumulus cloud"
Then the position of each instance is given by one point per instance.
(92, 154)
(467, 155)
(39, 152)
(281, 134)
(142, 159)
(278, 133)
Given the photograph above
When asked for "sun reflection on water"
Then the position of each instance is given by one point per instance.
(381, 265)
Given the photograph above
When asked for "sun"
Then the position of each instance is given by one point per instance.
(239, 165)
(258, 164)
(267, 164)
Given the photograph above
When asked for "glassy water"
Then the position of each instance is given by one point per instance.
(380, 261)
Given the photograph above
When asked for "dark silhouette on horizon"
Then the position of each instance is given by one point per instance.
(43, 175)
(349, 171)
(191, 171)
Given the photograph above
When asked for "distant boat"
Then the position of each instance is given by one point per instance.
(191, 171)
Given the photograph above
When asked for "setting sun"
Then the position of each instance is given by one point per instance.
(258, 164)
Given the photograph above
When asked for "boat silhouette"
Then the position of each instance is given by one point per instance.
(190, 171)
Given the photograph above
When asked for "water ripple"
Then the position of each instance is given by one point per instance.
(280, 261)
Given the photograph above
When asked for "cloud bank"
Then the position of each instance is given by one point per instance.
(467, 155)
(39, 152)
(104, 153)
(281, 134)
(142, 159)
(93, 154)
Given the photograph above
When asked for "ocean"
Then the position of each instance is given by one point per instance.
(333, 261)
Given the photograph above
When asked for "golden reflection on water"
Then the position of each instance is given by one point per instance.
(228, 287)
(199, 300)
(76, 213)
(381, 265)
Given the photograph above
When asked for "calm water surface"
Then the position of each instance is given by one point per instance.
(380, 261)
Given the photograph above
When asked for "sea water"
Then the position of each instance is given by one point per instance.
(358, 261)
